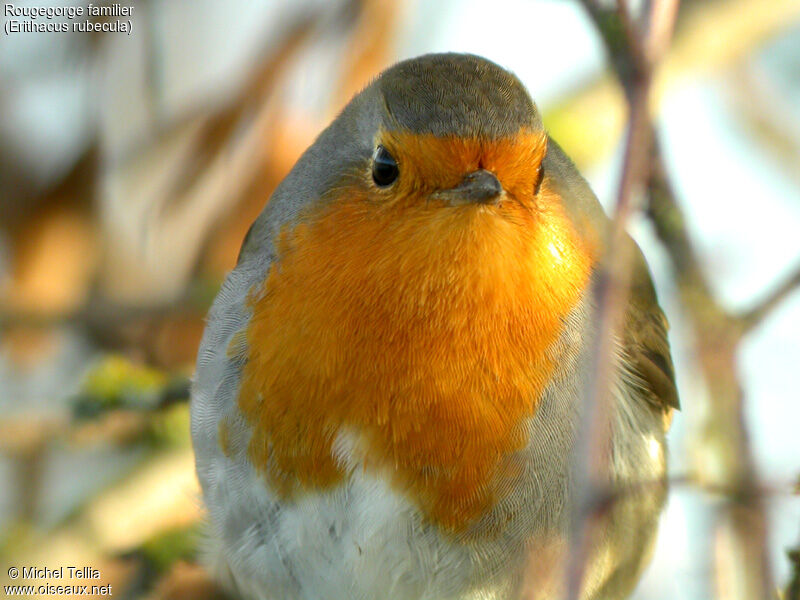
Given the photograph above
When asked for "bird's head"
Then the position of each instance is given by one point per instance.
(456, 132)
(452, 141)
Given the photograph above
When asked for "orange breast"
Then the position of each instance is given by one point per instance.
(423, 329)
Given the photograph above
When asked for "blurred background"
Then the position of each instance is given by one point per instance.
(132, 165)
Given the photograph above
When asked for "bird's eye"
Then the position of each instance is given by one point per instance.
(384, 167)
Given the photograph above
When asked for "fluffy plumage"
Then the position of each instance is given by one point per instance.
(388, 385)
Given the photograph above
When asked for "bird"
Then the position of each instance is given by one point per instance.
(389, 386)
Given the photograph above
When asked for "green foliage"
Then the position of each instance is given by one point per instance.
(117, 383)
(170, 427)
(165, 549)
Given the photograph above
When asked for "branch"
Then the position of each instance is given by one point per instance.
(613, 282)
(113, 326)
(662, 24)
(753, 317)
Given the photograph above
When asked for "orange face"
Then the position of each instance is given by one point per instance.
(424, 330)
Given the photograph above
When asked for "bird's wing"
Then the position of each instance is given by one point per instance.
(644, 336)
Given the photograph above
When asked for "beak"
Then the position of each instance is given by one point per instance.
(479, 187)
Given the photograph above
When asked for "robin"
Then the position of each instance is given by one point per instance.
(390, 381)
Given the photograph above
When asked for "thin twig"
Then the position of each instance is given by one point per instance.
(753, 317)
(636, 43)
(765, 489)
(98, 313)
(611, 292)
(612, 288)
(660, 28)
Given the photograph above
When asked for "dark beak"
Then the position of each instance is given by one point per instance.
(479, 187)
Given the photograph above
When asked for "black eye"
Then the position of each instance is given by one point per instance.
(384, 167)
